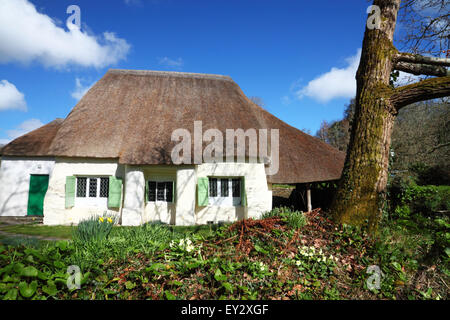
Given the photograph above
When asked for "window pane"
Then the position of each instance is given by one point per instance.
(169, 191)
(151, 191)
(92, 187)
(224, 188)
(104, 187)
(81, 187)
(236, 188)
(213, 187)
(160, 191)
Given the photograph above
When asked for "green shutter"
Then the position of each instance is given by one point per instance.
(243, 193)
(70, 191)
(174, 191)
(202, 192)
(115, 192)
(146, 191)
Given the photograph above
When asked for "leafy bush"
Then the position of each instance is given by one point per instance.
(36, 274)
(412, 199)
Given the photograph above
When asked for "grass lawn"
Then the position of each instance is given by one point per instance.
(63, 232)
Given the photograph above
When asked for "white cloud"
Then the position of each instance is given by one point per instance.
(23, 128)
(172, 63)
(27, 35)
(10, 97)
(80, 89)
(336, 83)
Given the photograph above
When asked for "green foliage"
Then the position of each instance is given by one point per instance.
(295, 219)
(33, 273)
(94, 228)
(421, 199)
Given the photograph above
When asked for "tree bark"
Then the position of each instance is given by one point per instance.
(364, 176)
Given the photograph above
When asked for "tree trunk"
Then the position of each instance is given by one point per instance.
(360, 196)
(362, 186)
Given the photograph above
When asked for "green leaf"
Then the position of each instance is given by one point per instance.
(228, 286)
(447, 251)
(169, 296)
(29, 272)
(397, 266)
(59, 264)
(130, 285)
(219, 276)
(27, 290)
(11, 295)
(50, 288)
(62, 245)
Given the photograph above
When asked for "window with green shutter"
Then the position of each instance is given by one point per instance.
(202, 192)
(70, 192)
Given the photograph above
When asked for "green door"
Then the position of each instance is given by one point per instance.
(38, 188)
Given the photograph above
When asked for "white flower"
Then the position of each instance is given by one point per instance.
(298, 262)
(188, 241)
(182, 242)
(189, 248)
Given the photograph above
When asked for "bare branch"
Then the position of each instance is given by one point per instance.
(421, 69)
(417, 58)
(439, 146)
(420, 91)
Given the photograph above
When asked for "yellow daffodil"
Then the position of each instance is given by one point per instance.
(110, 220)
(101, 219)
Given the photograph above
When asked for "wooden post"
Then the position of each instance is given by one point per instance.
(308, 197)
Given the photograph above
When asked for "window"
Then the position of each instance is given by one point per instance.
(225, 191)
(160, 191)
(92, 191)
(213, 187)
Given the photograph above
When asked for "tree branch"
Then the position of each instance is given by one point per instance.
(439, 146)
(417, 58)
(421, 69)
(420, 91)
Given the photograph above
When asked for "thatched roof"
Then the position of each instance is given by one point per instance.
(35, 143)
(130, 115)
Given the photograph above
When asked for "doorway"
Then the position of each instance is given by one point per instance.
(36, 194)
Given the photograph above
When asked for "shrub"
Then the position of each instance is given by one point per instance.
(414, 199)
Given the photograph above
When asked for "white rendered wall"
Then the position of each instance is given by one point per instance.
(55, 212)
(259, 197)
(15, 182)
(186, 197)
(133, 208)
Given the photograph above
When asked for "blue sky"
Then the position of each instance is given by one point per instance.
(298, 56)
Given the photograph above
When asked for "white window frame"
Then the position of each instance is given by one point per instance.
(229, 201)
(156, 191)
(97, 201)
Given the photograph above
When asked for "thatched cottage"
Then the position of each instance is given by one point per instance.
(113, 153)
